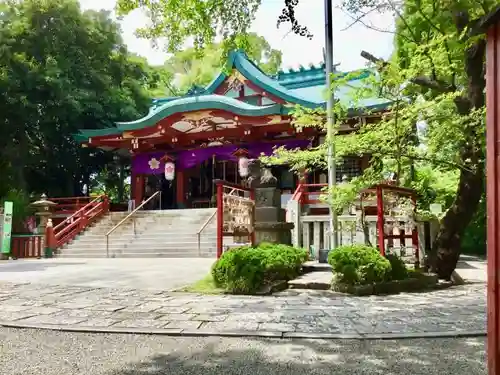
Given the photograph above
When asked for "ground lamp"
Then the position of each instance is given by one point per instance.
(43, 209)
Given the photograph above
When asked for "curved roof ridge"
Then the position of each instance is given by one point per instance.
(256, 75)
(201, 102)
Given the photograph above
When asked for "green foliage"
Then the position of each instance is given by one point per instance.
(398, 268)
(359, 265)
(21, 208)
(246, 269)
(194, 67)
(474, 240)
(62, 70)
(178, 21)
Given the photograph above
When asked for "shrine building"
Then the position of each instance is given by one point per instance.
(185, 143)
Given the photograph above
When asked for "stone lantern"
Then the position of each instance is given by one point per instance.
(43, 209)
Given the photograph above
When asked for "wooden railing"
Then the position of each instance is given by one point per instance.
(312, 231)
(129, 216)
(308, 193)
(68, 206)
(68, 229)
(314, 235)
(26, 246)
(202, 228)
(225, 219)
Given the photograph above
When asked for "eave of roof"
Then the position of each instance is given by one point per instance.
(188, 104)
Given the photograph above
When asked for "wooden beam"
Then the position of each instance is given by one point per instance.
(493, 195)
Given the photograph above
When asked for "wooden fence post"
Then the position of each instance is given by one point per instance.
(50, 239)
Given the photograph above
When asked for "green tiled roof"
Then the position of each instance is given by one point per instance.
(305, 86)
(188, 104)
(202, 102)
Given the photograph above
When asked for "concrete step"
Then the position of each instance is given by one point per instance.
(139, 255)
(137, 249)
(312, 280)
(171, 233)
(315, 266)
(148, 236)
(155, 245)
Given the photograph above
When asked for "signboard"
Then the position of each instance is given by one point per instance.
(7, 227)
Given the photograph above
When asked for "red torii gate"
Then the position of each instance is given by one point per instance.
(492, 25)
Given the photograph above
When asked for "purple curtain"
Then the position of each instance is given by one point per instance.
(185, 159)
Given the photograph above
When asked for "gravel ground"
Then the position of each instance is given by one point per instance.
(59, 353)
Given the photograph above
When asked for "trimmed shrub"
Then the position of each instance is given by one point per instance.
(245, 270)
(398, 267)
(359, 265)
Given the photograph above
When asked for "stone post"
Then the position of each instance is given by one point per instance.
(270, 223)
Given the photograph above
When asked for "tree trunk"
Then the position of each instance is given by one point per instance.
(446, 248)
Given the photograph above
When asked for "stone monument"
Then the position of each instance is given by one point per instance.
(270, 224)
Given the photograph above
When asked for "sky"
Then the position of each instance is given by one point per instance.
(296, 50)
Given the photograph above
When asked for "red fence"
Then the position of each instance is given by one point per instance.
(68, 206)
(308, 193)
(76, 223)
(26, 246)
(228, 223)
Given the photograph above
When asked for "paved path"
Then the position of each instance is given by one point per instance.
(458, 310)
(151, 274)
(471, 268)
(28, 352)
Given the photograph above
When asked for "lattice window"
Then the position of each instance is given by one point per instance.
(350, 167)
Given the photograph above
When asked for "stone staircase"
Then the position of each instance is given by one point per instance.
(168, 233)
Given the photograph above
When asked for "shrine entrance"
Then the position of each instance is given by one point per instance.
(166, 200)
(201, 179)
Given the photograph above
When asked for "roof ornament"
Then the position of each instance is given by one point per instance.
(234, 84)
(196, 90)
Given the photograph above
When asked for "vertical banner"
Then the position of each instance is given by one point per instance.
(7, 227)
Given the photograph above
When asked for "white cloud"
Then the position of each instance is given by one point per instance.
(296, 50)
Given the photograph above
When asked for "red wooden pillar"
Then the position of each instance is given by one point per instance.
(303, 175)
(133, 176)
(252, 235)
(493, 195)
(414, 235)
(220, 219)
(380, 220)
(138, 189)
(180, 189)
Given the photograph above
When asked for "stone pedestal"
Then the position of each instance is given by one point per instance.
(270, 224)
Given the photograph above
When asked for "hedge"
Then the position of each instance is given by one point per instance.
(359, 265)
(246, 270)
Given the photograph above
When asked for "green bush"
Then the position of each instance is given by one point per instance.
(398, 268)
(359, 265)
(246, 269)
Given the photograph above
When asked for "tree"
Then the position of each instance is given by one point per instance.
(202, 21)
(194, 67)
(61, 70)
(441, 52)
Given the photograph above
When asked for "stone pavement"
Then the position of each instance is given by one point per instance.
(136, 273)
(472, 269)
(321, 314)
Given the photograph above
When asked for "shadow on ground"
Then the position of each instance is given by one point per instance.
(31, 266)
(26, 352)
(294, 357)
